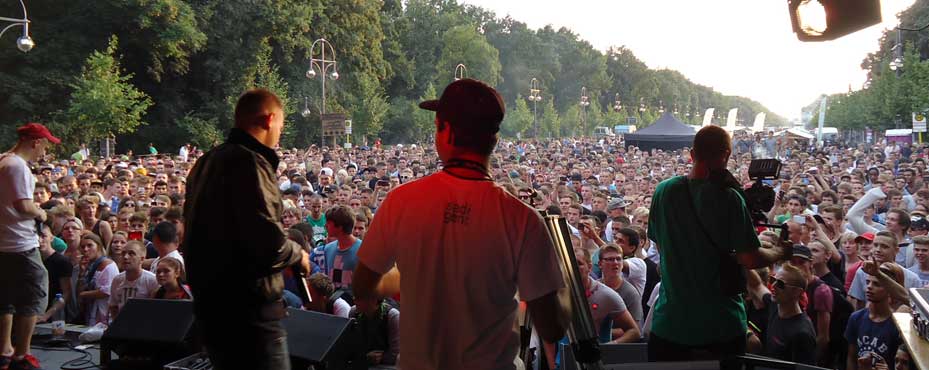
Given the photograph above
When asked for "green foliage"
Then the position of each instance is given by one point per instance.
(518, 120)
(200, 131)
(103, 102)
(370, 109)
(463, 44)
(194, 57)
(423, 120)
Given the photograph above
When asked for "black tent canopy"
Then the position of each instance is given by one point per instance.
(667, 133)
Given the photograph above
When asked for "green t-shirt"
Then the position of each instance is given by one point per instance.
(779, 219)
(690, 309)
(319, 228)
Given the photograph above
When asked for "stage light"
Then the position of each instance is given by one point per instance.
(822, 20)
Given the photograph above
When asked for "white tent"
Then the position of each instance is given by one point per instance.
(796, 132)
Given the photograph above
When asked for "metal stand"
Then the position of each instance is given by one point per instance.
(581, 334)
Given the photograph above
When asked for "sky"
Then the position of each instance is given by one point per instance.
(738, 47)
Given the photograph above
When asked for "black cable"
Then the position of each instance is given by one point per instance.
(81, 363)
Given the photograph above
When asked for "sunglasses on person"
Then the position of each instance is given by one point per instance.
(525, 197)
(780, 284)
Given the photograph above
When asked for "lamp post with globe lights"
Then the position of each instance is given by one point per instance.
(585, 102)
(617, 104)
(535, 96)
(319, 61)
(306, 107)
(24, 43)
(461, 71)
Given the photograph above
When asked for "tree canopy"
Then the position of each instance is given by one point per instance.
(181, 62)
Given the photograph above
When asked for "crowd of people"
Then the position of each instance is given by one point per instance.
(855, 216)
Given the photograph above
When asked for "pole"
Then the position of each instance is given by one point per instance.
(322, 110)
(898, 53)
(822, 119)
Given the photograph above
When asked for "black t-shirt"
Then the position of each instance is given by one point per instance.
(789, 339)
(58, 267)
(838, 268)
(833, 281)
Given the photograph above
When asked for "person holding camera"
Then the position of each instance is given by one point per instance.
(23, 277)
(697, 221)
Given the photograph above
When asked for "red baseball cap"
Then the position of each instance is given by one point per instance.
(866, 236)
(36, 131)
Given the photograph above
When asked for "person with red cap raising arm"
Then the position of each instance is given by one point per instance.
(23, 278)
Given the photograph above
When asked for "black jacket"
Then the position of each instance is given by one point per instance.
(234, 245)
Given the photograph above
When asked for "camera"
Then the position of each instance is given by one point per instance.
(760, 197)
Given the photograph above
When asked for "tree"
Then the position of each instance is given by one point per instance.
(549, 120)
(369, 109)
(264, 74)
(423, 120)
(103, 101)
(463, 44)
(517, 120)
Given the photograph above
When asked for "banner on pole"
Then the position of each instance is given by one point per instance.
(919, 122)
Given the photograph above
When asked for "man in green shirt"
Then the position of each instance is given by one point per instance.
(692, 312)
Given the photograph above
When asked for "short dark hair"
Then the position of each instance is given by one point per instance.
(630, 234)
(711, 142)
(321, 283)
(343, 217)
(253, 103)
(174, 213)
(165, 231)
(799, 199)
(835, 210)
(903, 216)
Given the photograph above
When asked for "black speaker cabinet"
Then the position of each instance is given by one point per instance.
(149, 333)
(325, 341)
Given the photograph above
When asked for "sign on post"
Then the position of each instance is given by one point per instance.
(919, 122)
(333, 124)
(631, 121)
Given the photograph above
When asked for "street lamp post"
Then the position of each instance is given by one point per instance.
(24, 43)
(461, 72)
(585, 102)
(323, 65)
(306, 107)
(617, 104)
(535, 96)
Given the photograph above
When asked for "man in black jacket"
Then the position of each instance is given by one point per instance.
(235, 246)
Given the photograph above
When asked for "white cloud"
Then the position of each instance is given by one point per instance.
(742, 48)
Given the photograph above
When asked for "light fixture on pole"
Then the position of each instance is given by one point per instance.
(660, 106)
(535, 96)
(323, 65)
(306, 107)
(641, 105)
(461, 72)
(24, 43)
(617, 104)
(585, 102)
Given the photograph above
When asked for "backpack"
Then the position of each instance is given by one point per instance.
(838, 320)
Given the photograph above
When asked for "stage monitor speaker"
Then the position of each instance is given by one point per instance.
(325, 341)
(151, 332)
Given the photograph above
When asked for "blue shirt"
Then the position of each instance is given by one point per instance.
(341, 263)
(879, 339)
(923, 275)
